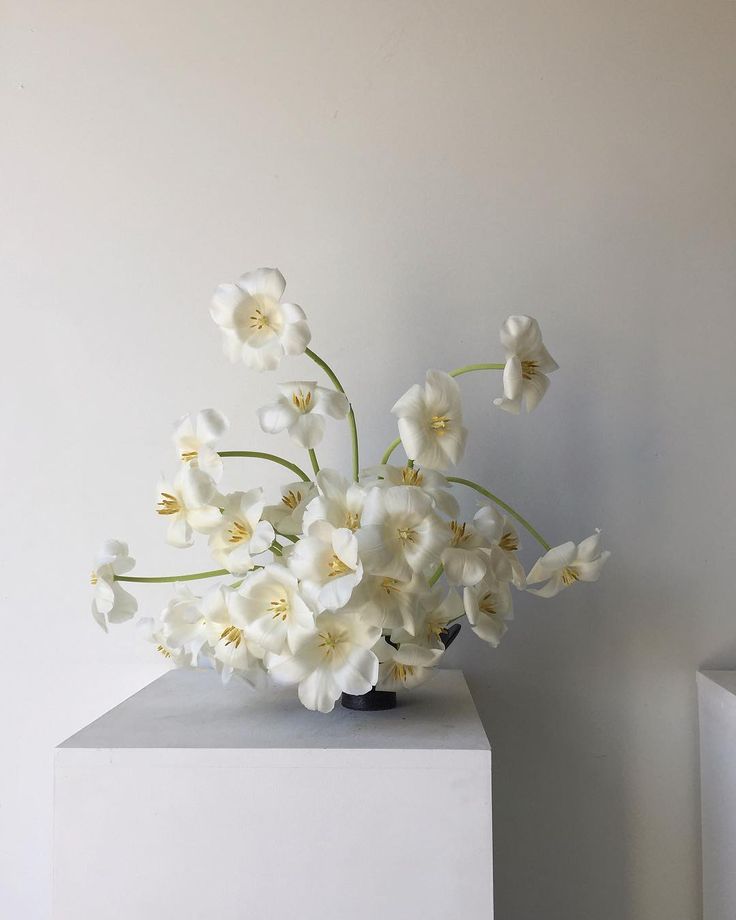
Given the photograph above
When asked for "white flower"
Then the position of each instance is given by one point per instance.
(488, 605)
(288, 515)
(194, 436)
(255, 325)
(505, 563)
(188, 503)
(338, 502)
(436, 611)
(152, 631)
(429, 481)
(276, 613)
(431, 422)
(241, 534)
(301, 409)
(386, 602)
(527, 364)
(405, 667)
(183, 623)
(466, 559)
(400, 532)
(110, 602)
(327, 564)
(230, 636)
(563, 565)
(335, 658)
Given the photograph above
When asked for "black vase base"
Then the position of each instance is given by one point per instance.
(373, 701)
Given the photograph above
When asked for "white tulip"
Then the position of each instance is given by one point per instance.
(386, 602)
(333, 659)
(400, 532)
(301, 409)
(194, 437)
(256, 326)
(436, 611)
(563, 565)
(488, 606)
(429, 481)
(110, 602)
(151, 631)
(505, 563)
(338, 502)
(241, 534)
(287, 517)
(405, 667)
(430, 422)
(327, 564)
(230, 635)
(188, 502)
(184, 624)
(527, 364)
(466, 559)
(277, 615)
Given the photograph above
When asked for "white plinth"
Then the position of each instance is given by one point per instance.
(190, 800)
(717, 706)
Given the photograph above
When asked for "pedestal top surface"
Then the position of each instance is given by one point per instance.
(724, 679)
(191, 709)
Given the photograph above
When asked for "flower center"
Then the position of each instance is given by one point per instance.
(188, 455)
(329, 643)
(487, 605)
(292, 499)
(169, 504)
(162, 650)
(529, 369)
(238, 533)
(352, 521)
(337, 567)
(93, 579)
(569, 575)
(434, 629)
(440, 423)
(232, 635)
(407, 535)
(411, 476)
(509, 542)
(279, 608)
(390, 586)
(459, 534)
(259, 320)
(302, 400)
(402, 671)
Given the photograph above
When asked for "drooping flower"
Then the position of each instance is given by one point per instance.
(563, 565)
(338, 502)
(400, 532)
(277, 614)
(527, 364)
(189, 504)
(405, 667)
(287, 517)
(301, 409)
(256, 326)
(436, 611)
(429, 481)
(488, 606)
(335, 658)
(430, 422)
(230, 636)
(194, 437)
(183, 623)
(111, 603)
(389, 603)
(151, 630)
(467, 557)
(241, 534)
(327, 564)
(504, 562)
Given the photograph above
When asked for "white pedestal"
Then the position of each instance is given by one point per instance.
(717, 706)
(190, 800)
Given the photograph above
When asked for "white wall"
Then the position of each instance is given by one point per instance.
(418, 170)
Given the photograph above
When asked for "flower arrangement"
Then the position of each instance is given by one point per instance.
(344, 584)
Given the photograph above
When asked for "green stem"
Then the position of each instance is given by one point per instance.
(351, 415)
(468, 368)
(162, 579)
(502, 504)
(437, 574)
(313, 458)
(274, 458)
(390, 449)
(286, 536)
(277, 548)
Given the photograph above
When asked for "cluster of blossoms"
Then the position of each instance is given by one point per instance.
(341, 585)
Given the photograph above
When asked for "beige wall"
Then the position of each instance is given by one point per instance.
(418, 170)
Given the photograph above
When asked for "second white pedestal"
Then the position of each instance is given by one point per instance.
(191, 800)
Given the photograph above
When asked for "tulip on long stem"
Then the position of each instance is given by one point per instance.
(274, 458)
(351, 415)
(502, 504)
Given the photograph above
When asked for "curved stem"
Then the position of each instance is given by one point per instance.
(502, 504)
(390, 449)
(162, 579)
(437, 574)
(468, 368)
(313, 458)
(274, 458)
(286, 536)
(351, 415)
(277, 548)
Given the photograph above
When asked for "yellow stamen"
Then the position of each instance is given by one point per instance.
(93, 579)
(352, 521)
(407, 535)
(411, 476)
(434, 629)
(569, 576)
(440, 423)
(529, 369)
(390, 586)
(292, 499)
(279, 608)
(329, 642)
(232, 635)
(188, 455)
(402, 671)
(487, 604)
(169, 504)
(302, 400)
(161, 649)
(337, 567)
(509, 542)
(258, 320)
(458, 532)
(238, 532)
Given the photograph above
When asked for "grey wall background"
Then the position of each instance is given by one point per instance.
(418, 170)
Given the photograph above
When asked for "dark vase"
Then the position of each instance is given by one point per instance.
(378, 700)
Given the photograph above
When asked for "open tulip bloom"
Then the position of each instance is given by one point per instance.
(340, 583)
